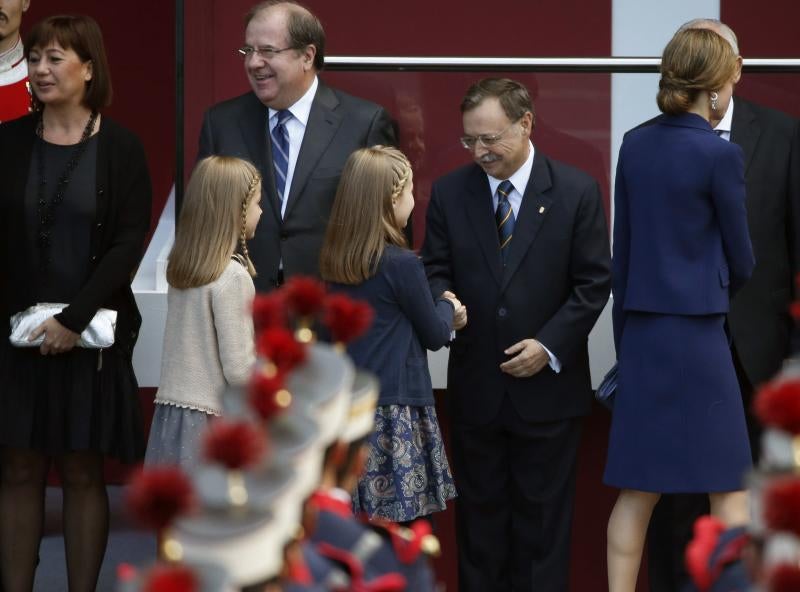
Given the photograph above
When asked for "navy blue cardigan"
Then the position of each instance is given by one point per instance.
(407, 322)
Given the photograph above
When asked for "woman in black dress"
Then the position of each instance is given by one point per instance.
(75, 205)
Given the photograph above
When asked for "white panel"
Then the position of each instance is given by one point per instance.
(150, 290)
(641, 28)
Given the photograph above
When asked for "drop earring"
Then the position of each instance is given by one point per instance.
(714, 96)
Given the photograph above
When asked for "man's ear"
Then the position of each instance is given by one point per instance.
(738, 75)
(309, 53)
(527, 122)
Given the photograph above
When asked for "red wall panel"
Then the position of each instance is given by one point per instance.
(572, 110)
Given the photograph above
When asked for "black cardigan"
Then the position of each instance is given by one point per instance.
(122, 220)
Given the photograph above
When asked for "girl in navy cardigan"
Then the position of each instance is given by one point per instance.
(364, 255)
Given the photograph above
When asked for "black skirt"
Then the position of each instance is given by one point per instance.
(82, 400)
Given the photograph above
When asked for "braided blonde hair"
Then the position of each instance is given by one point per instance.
(362, 219)
(244, 257)
(211, 221)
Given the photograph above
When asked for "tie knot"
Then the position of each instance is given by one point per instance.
(284, 115)
(504, 189)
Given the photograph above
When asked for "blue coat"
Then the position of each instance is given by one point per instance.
(681, 244)
(407, 322)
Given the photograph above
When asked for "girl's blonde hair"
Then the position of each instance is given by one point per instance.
(362, 219)
(212, 218)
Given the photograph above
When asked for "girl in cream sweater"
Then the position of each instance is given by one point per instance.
(208, 339)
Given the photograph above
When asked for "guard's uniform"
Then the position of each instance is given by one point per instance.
(15, 93)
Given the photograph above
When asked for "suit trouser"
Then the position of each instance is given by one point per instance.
(516, 487)
(672, 523)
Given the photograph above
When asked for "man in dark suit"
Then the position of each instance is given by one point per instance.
(296, 130)
(762, 332)
(522, 240)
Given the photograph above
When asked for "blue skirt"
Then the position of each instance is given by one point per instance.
(678, 424)
(407, 474)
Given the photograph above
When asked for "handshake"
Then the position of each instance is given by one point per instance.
(460, 314)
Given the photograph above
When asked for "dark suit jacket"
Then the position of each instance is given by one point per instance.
(553, 287)
(759, 319)
(680, 228)
(122, 220)
(338, 124)
(407, 323)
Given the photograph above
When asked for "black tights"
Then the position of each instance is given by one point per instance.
(23, 476)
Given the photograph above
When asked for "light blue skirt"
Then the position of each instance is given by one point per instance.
(176, 436)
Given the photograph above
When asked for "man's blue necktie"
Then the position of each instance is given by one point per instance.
(504, 218)
(280, 151)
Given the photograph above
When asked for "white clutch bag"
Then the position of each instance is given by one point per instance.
(99, 334)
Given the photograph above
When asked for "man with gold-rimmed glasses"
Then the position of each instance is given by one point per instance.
(296, 130)
(522, 241)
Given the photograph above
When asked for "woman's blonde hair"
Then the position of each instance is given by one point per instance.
(694, 60)
(213, 216)
(362, 219)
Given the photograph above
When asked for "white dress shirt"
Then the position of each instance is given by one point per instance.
(519, 180)
(725, 123)
(296, 127)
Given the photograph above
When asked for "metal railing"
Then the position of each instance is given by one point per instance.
(518, 64)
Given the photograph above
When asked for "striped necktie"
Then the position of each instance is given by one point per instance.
(280, 151)
(504, 218)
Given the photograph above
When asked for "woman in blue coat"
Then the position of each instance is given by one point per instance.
(681, 249)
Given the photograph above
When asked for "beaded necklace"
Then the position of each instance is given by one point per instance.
(46, 210)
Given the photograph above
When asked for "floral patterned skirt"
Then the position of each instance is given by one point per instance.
(407, 474)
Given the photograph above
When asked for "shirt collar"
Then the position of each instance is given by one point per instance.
(302, 107)
(11, 57)
(727, 120)
(520, 178)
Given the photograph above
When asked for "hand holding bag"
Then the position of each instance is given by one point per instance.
(99, 334)
(607, 389)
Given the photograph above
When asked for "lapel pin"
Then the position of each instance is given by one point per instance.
(541, 209)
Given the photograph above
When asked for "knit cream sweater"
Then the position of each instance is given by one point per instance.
(208, 341)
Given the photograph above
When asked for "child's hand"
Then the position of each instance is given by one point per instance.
(460, 311)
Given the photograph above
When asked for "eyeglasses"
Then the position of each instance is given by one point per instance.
(266, 53)
(485, 140)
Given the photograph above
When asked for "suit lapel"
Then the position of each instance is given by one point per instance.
(478, 205)
(323, 122)
(254, 127)
(535, 206)
(745, 130)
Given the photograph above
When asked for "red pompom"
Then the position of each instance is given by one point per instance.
(777, 404)
(267, 394)
(158, 495)
(707, 530)
(234, 444)
(794, 310)
(171, 578)
(280, 347)
(126, 573)
(784, 577)
(304, 295)
(782, 504)
(346, 318)
(269, 310)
